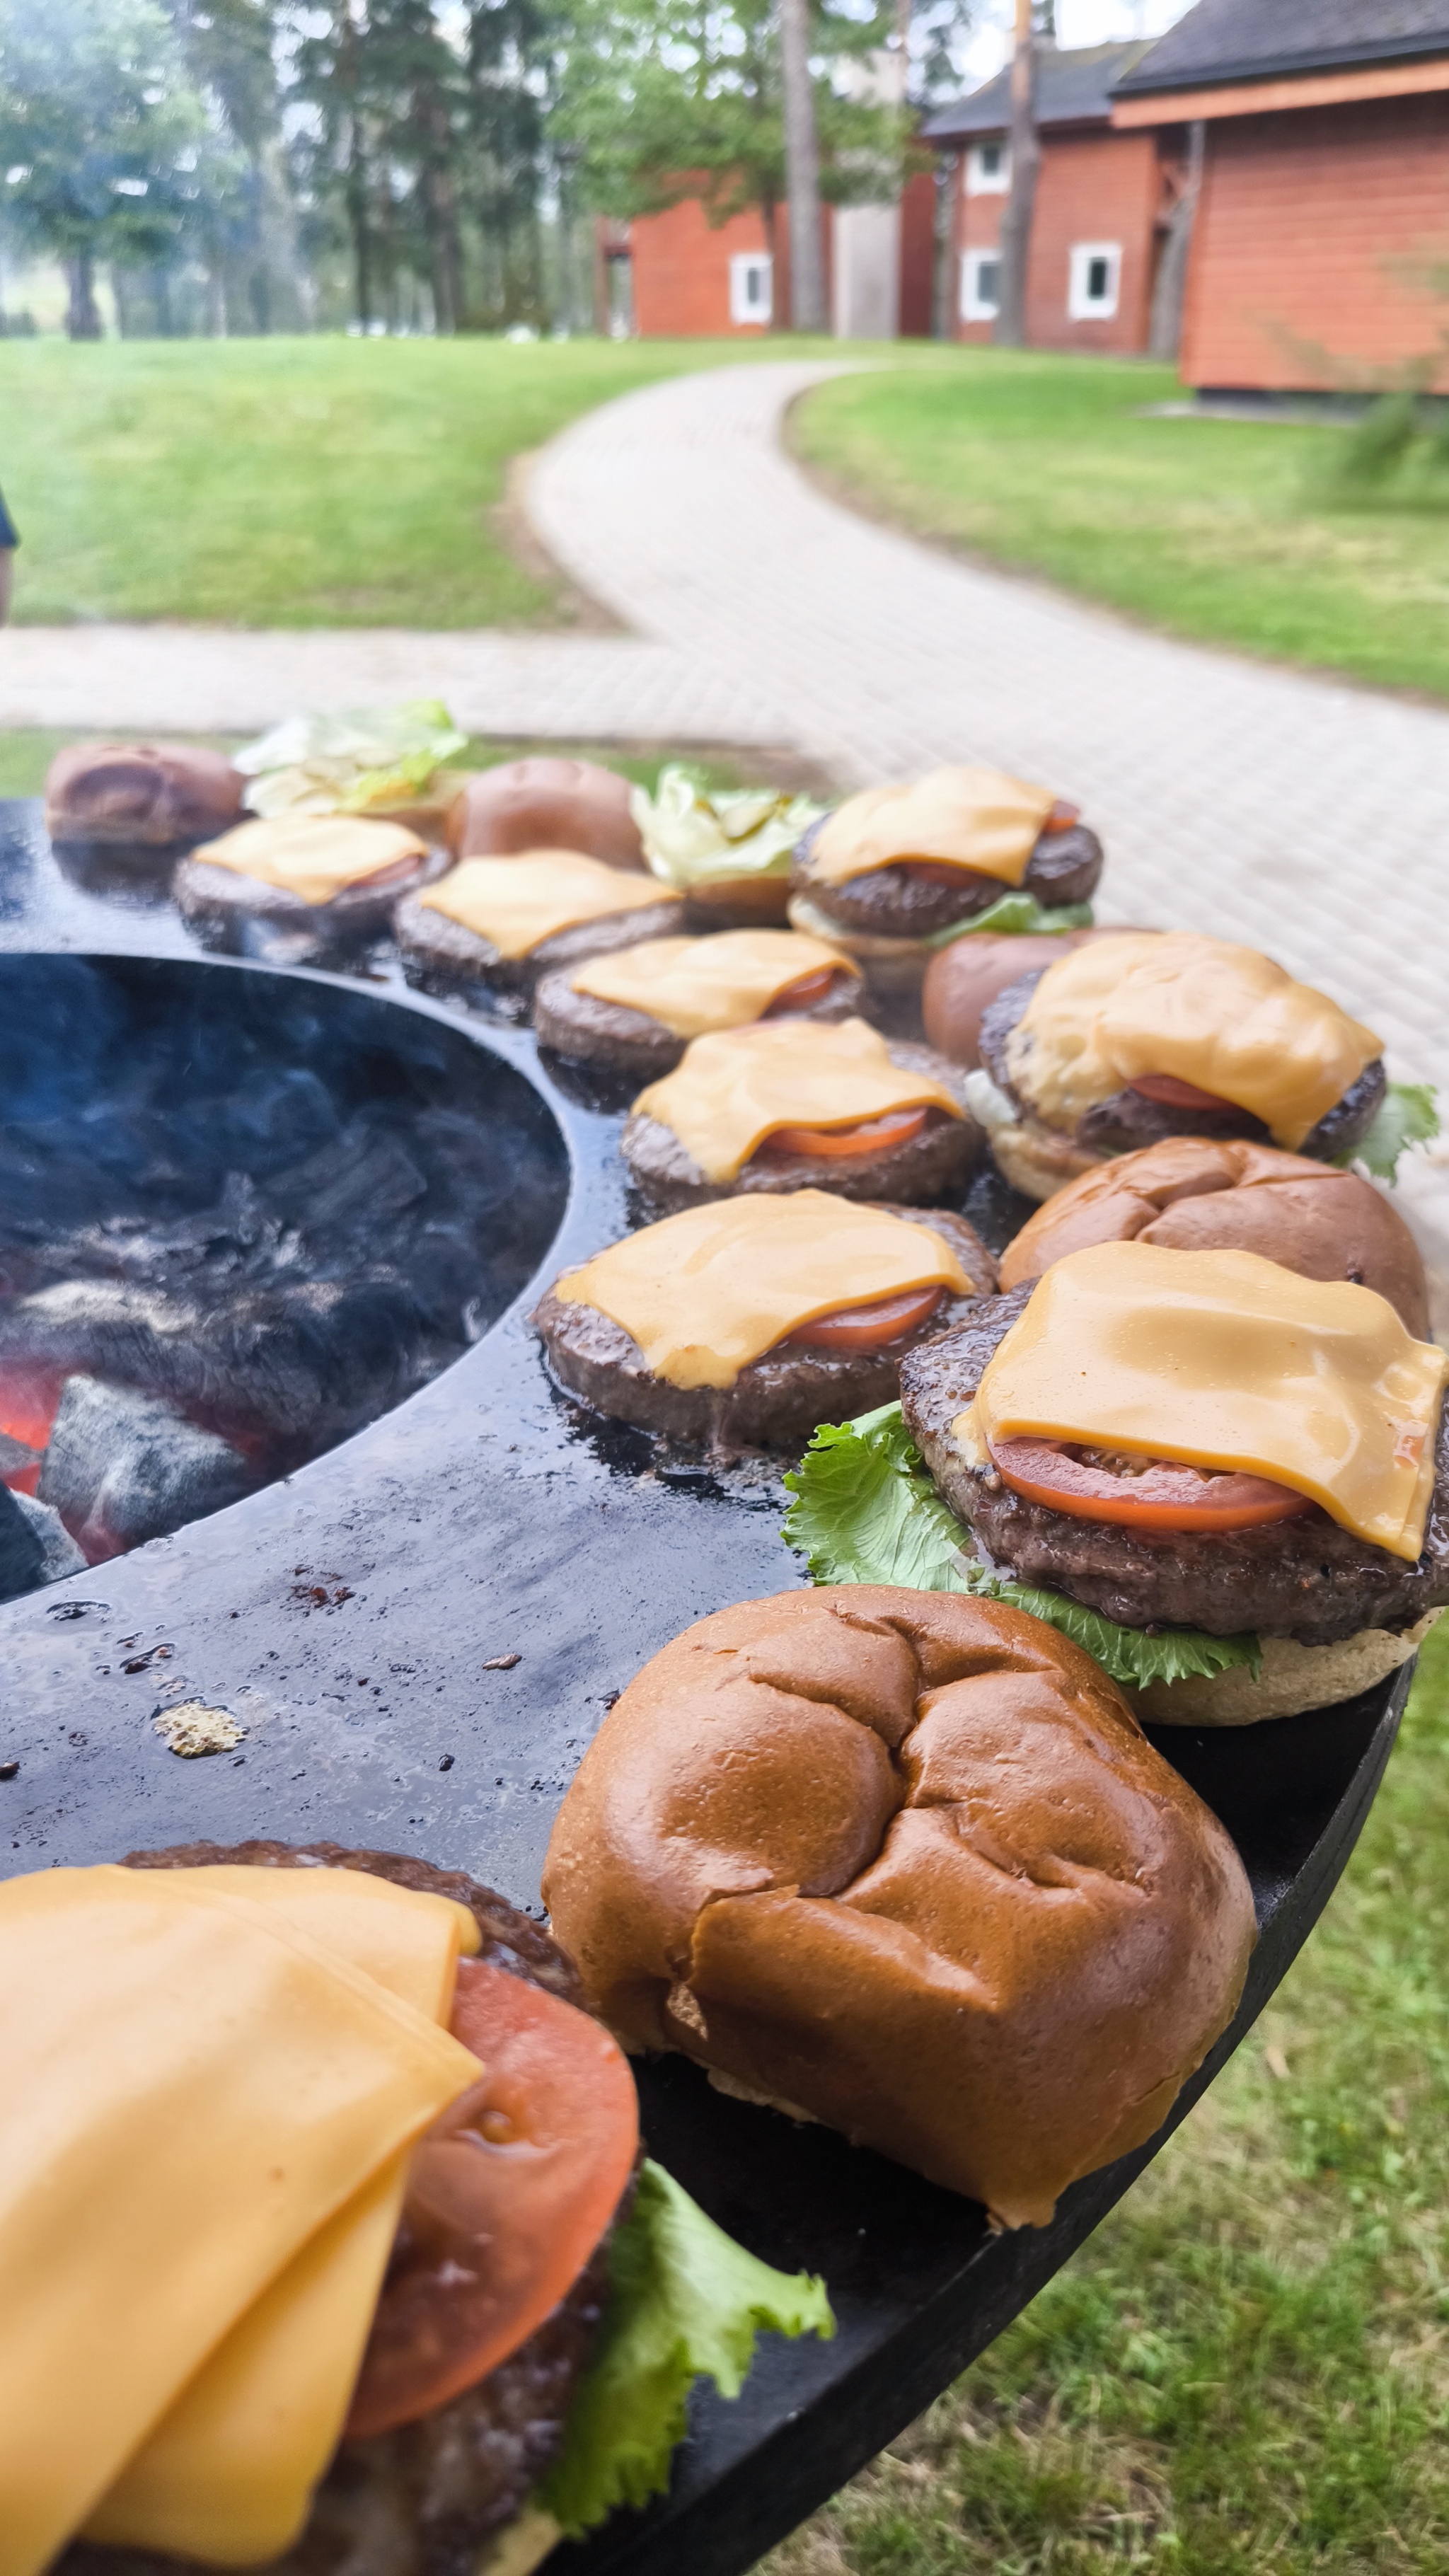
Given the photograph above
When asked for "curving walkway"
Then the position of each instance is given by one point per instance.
(1304, 816)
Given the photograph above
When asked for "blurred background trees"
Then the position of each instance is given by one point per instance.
(237, 166)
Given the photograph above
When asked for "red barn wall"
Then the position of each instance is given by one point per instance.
(682, 271)
(1094, 186)
(1308, 230)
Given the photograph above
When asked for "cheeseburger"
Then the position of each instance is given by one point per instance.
(904, 1863)
(896, 871)
(1202, 1440)
(1145, 1034)
(300, 884)
(790, 1105)
(324, 2237)
(745, 1324)
(507, 921)
(1200, 1195)
(635, 1010)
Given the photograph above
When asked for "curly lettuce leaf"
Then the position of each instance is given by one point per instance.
(340, 760)
(1017, 913)
(865, 1511)
(1407, 1115)
(697, 835)
(685, 2302)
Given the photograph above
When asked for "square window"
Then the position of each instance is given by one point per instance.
(752, 286)
(988, 169)
(1093, 280)
(980, 285)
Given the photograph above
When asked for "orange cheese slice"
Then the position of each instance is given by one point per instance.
(516, 903)
(962, 817)
(315, 856)
(691, 986)
(1221, 1359)
(736, 1087)
(706, 1292)
(1202, 1009)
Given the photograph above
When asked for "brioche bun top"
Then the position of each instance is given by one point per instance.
(546, 804)
(140, 792)
(1199, 1194)
(905, 1862)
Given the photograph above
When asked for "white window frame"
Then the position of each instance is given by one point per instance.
(1082, 305)
(976, 307)
(981, 182)
(746, 265)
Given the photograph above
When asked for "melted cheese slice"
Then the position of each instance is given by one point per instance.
(193, 2089)
(738, 1086)
(961, 817)
(1221, 1359)
(691, 986)
(706, 1292)
(315, 856)
(228, 2475)
(1203, 1009)
(516, 903)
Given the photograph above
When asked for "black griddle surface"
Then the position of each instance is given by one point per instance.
(484, 1518)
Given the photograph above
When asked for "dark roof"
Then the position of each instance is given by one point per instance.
(1072, 88)
(1229, 40)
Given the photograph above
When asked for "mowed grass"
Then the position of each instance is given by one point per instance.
(1247, 2367)
(295, 482)
(1222, 530)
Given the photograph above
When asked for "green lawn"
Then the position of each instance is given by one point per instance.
(1247, 2367)
(294, 482)
(1215, 529)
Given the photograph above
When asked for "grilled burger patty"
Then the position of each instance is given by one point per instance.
(893, 902)
(776, 1401)
(1306, 1578)
(426, 2499)
(1128, 1120)
(440, 946)
(621, 1040)
(933, 1165)
(220, 903)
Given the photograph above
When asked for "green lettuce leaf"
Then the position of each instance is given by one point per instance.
(340, 760)
(1015, 913)
(684, 2302)
(865, 1511)
(698, 835)
(1407, 1115)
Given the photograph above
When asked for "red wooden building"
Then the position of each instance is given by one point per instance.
(1102, 204)
(688, 278)
(1320, 253)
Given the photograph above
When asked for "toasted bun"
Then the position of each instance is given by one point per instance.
(963, 978)
(739, 903)
(158, 795)
(1197, 1194)
(894, 968)
(546, 804)
(1038, 1161)
(1293, 1678)
(906, 1862)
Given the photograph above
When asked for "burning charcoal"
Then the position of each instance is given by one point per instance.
(122, 1468)
(22, 1553)
(59, 1553)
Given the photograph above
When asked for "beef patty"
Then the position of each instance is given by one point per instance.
(435, 945)
(222, 906)
(1127, 1120)
(934, 1164)
(777, 1401)
(426, 2499)
(620, 1040)
(894, 902)
(1306, 1578)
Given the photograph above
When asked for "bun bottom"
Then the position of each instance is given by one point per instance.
(1294, 1678)
(894, 968)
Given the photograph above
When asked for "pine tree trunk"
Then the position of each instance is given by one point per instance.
(83, 315)
(1016, 215)
(802, 170)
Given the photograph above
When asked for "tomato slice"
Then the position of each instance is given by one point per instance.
(27, 1410)
(842, 1144)
(1172, 1093)
(869, 1328)
(508, 2194)
(1159, 1495)
(803, 994)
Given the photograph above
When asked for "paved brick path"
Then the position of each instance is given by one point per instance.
(1309, 818)
(198, 679)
